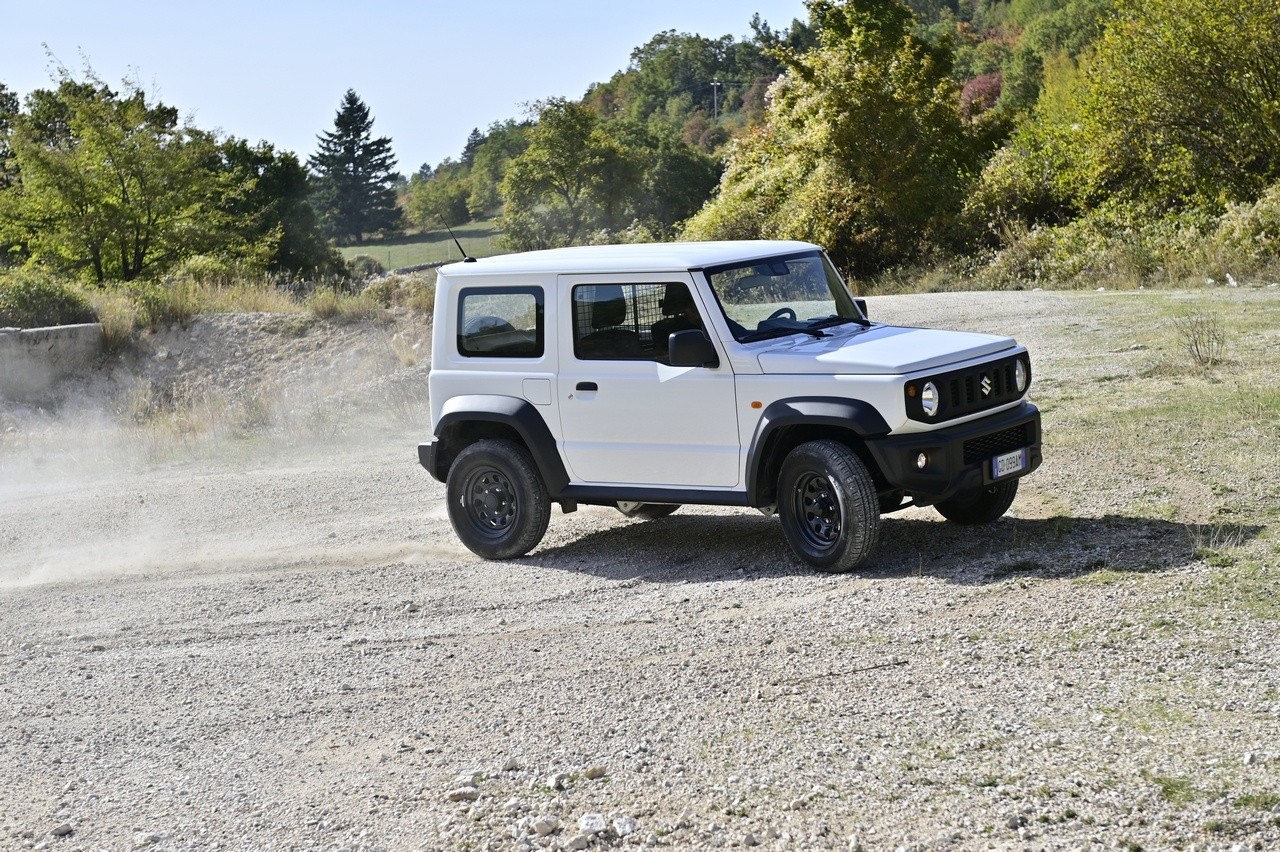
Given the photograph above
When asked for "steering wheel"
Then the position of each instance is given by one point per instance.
(788, 312)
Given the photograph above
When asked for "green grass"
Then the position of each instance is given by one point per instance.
(480, 239)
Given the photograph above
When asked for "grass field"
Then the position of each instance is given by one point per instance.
(478, 238)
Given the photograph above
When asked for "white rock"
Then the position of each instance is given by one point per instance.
(623, 825)
(62, 830)
(594, 772)
(591, 823)
(579, 841)
(513, 806)
(511, 764)
(464, 794)
(558, 780)
(544, 825)
(1250, 758)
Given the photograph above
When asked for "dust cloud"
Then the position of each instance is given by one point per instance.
(222, 446)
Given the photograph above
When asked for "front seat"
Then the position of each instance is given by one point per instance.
(607, 338)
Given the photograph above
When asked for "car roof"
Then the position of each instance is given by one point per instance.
(628, 257)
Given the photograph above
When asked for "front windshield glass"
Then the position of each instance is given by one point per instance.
(788, 294)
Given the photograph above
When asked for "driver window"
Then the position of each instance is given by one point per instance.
(630, 321)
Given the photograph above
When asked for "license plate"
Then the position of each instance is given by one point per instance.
(1008, 463)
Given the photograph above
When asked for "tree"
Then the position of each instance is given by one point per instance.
(1183, 104)
(503, 142)
(8, 112)
(110, 185)
(273, 214)
(441, 196)
(863, 149)
(354, 176)
(570, 173)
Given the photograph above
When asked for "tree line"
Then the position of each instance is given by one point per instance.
(105, 184)
(1023, 140)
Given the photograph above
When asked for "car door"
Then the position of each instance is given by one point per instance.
(626, 416)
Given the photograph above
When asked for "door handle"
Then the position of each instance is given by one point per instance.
(586, 386)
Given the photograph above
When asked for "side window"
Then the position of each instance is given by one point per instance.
(630, 321)
(500, 322)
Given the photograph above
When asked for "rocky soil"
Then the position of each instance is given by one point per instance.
(233, 614)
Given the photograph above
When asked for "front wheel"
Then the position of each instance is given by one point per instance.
(498, 504)
(828, 505)
(646, 511)
(980, 507)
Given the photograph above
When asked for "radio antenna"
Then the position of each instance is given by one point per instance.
(466, 258)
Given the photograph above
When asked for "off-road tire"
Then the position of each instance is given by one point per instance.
(498, 503)
(981, 507)
(828, 506)
(646, 511)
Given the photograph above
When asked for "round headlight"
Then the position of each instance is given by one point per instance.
(1020, 375)
(929, 399)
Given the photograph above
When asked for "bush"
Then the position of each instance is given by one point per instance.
(363, 266)
(163, 303)
(416, 290)
(1249, 234)
(31, 299)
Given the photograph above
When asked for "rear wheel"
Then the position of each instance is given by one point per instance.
(498, 504)
(828, 505)
(646, 511)
(982, 506)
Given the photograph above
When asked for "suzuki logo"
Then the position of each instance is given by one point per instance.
(986, 385)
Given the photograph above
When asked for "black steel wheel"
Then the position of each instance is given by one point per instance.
(498, 504)
(828, 505)
(980, 507)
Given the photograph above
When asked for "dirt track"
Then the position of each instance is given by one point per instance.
(280, 643)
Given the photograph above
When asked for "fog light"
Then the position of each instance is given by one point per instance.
(922, 461)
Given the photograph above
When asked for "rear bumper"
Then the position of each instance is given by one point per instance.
(958, 456)
(427, 458)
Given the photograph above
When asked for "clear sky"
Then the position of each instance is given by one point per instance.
(430, 71)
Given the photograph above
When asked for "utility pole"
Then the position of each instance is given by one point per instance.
(715, 99)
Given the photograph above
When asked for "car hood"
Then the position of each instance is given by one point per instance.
(878, 350)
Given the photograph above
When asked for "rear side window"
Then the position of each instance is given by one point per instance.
(500, 322)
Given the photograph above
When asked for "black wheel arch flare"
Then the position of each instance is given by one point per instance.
(788, 422)
(468, 418)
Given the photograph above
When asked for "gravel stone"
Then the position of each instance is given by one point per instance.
(591, 823)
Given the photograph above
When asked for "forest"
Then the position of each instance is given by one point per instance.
(936, 144)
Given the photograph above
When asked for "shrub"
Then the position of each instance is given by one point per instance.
(328, 303)
(363, 266)
(32, 299)
(417, 291)
(1203, 338)
(162, 303)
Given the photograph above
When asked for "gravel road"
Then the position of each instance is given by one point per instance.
(277, 642)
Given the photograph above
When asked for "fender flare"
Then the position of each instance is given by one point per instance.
(522, 416)
(854, 415)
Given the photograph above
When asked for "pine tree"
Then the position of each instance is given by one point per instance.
(354, 176)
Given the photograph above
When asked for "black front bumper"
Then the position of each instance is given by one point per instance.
(958, 456)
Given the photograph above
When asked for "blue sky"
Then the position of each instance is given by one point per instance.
(429, 71)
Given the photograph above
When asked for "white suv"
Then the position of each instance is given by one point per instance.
(721, 373)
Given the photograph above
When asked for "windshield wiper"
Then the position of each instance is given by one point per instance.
(835, 320)
(778, 331)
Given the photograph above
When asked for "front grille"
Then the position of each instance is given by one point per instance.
(1004, 441)
(961, 392)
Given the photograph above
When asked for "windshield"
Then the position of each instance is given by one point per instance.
(788, 294)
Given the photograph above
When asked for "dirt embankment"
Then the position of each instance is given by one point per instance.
(232, 612)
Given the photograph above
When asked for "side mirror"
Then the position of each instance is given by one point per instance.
(862, 306)
(691, 348)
